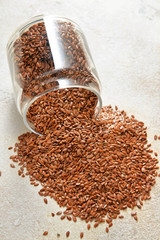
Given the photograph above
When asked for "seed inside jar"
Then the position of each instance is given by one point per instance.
(36, 72)
(59, 108)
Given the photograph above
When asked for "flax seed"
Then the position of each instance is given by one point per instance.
(108, 221)
(59, 213)
(96, 225)
(36, 184)
(45, 233)
(69, 218)
(45, 200)
(12, 165)
(110, 224)
(67, 234)
(155, 137)
(141, 202)
(135, 217)
(81, 235)
(63, 217)
(139, 206)
(74, 219)
(120, 216)
(156, 154)
(107, 229)
(88, 226)
(133, 214)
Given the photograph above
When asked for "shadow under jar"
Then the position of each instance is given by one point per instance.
(50, 61)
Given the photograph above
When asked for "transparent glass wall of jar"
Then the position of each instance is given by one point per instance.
(49, 53)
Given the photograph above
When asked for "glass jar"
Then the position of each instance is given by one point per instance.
(49, 53)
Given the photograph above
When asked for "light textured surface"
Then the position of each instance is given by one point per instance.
(124, 39)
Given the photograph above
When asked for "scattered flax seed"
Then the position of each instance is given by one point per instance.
(133, 214)
(155, 137)
(88, 226)
(12, 165)
(96, 224)
(102, 220)
(63, 217)
(52, 214)
(135, 217)
(14, 160)
(107, 229)
(110, 224)
(159, 175)
(139, 206)
(81, 235)
(58, 235)
(36, 184)
(10, 148)
(116, 108)
(45, 200)
(82, 161)
(120, 216)
(67, 234)
(156, 154)
(141, 203)
(69, 218)
(108, 221)
(159, 138)
(59, 213)
(0, 173)
(74, 219)
(45, 233)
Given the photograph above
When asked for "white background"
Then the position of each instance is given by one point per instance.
(124, 39)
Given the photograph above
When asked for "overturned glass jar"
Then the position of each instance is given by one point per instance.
(46, 54)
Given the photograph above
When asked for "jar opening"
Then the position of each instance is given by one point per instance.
(50, 110)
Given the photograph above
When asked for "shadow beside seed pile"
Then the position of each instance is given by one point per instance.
(94, 168)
